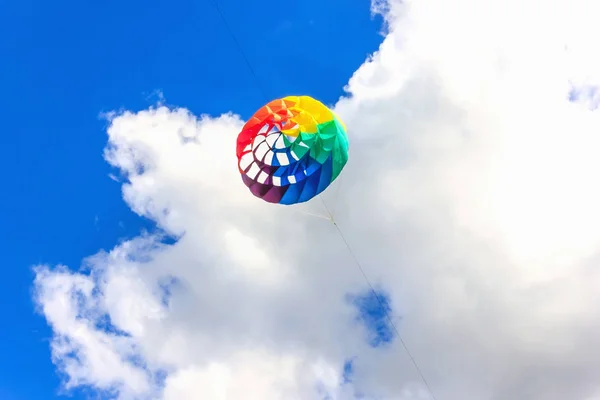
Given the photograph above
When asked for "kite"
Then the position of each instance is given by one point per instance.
(291, 150)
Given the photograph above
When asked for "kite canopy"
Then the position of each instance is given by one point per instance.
(291, 150)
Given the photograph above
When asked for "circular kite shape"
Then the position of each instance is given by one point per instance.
(291, 150)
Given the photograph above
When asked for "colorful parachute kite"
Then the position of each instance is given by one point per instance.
(291, 150)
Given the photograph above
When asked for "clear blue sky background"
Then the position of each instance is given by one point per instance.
(62, 63)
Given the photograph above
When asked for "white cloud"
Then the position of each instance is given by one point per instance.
(470, 197)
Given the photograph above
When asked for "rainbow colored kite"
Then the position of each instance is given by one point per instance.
(291, 150)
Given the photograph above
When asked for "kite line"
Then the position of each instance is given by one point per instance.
(330, 215)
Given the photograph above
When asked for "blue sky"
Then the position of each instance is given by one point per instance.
(66, 62)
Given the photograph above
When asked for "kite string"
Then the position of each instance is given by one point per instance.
(326, 217)
(384, 309)
(379, 300)
(382, 305)
(239, 46)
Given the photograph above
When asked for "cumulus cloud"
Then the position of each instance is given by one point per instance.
(469, 199)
